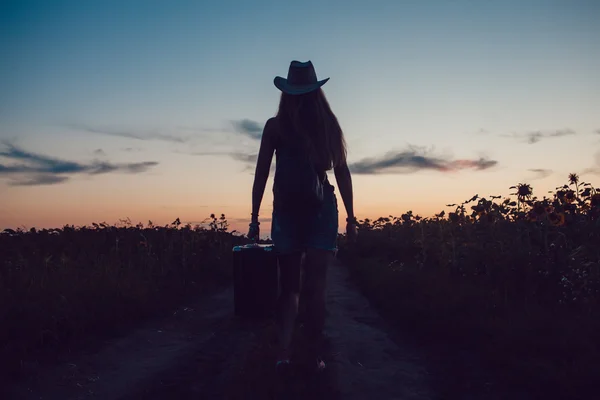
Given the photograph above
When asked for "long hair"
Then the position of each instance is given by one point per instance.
(310, 116)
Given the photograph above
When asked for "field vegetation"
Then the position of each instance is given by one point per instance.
(517, 279)
(62, 288)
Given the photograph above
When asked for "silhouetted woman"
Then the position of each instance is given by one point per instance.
(308, 141)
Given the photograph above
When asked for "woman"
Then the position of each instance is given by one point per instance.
(308, 141)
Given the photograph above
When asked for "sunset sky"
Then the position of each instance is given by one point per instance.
(153, 110)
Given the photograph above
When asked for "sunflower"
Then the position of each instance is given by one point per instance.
(573, 179)
(524, 190)
(570, 196)
(556, 219)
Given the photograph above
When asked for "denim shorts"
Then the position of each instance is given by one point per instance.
(291, 234)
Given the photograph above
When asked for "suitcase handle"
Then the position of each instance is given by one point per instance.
(253, 246)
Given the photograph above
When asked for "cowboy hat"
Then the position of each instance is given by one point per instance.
(301, 79)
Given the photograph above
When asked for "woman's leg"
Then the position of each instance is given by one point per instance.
(316, 264)
(287, 310)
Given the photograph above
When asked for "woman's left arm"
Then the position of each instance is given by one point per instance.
(263, 166)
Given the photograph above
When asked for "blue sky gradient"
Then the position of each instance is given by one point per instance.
(168, 82)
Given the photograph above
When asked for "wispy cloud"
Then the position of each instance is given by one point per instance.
(541, 173)
(592, 170)
(249, 128)
(411, 160)
(597, 131)
(137, 135)
(131, 149)
(99, 152)
(179, 134)
(37, 169)
(537, 136)
(414, 160)
(203, 153)
(595, 169)
(39, 180)
(246, 158)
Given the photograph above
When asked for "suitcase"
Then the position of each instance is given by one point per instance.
(256, 281)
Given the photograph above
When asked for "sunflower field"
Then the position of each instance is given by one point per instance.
(61, 288)
(517, 278)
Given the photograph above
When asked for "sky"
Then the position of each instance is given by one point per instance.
(153, 110)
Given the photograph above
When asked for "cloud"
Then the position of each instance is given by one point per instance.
(99, 152)
(541, 172)
(249, 128)
(414, 160)
(236, 155)
(596, 168)
(204, 153)
(131, 149)
(134, 168)
(597, 131)
(37, 169)
(592, 170)
(411, 160)
(536, 136)
(39, 180)
(151, 135)
(246, 158)
(249, 159)
(177, 134)
(41, 164)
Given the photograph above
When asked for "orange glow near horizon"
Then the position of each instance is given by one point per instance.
(146, 198)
